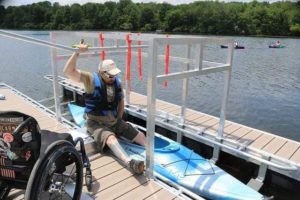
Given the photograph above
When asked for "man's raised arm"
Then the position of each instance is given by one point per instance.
(70, 69)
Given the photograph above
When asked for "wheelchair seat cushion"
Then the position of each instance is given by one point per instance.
(48, 137)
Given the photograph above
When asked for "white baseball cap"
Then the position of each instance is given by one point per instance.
(110, 67)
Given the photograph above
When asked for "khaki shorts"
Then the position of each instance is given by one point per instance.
(101, 131)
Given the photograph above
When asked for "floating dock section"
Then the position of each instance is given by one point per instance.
(111, 178)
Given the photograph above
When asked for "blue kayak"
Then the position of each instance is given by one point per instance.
(185, 167)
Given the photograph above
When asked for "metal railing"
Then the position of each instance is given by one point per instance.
(154, 78)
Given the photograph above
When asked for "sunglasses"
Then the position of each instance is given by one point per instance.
(109, 76)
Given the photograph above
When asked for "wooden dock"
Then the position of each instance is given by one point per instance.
(111, 179)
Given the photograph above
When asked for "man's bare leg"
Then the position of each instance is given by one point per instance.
(136, 165)
(113, 144)
(140, 139)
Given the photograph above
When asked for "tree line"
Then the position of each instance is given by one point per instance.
(202, 17)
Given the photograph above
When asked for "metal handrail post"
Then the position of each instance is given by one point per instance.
(225, 92)
(185, 87)
(216, 151)
(151, 100)
(199, 56)
(55, 80)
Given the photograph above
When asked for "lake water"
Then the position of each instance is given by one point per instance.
(264, 92)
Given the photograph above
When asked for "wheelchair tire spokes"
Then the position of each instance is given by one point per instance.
(60, 175)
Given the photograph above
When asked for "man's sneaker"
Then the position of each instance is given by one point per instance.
(137, 166)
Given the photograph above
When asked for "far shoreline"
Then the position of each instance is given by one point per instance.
(153, 32)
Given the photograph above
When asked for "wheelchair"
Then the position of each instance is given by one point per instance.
(46, 164)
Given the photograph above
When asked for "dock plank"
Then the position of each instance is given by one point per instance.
(175, 110)
(10, 98)
(208, 124)
(228, 130)
(250, 137)
(216, 126)
(103, 160)
(296, 156)
(106, 170)
(262, 141)
(275, 145)
(199, 122)
(161, 195)
(121, 188)
(238, 133)
(191, 115)
(118, 176)
(288, 150)
(143, 191)
(160, 105)
(138, 99)
(26, 109)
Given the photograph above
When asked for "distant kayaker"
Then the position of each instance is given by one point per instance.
(104, 108)
(236, 44)
(278, 43)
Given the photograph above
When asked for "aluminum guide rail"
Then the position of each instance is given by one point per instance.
(172, 124)
(58, 46)
(33, 40)
(191, 73)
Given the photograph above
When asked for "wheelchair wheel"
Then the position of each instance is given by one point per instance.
(4, 190)
(59, 176)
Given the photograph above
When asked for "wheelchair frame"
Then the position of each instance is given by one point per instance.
(49, 175)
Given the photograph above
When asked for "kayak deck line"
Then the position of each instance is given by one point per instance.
(200, 125)
(108, 172)
(185, 174)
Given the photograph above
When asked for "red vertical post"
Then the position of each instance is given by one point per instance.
(140, 59)
(167, 62)
(129, 41)
(101, 38)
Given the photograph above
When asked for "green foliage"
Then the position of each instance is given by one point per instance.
(204, 17)
(295, 29)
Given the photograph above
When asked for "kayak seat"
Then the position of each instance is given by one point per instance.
(162, 145)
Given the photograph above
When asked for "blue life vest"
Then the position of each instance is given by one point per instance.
(97, 104)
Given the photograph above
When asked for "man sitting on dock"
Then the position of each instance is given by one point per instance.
(104, 101)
